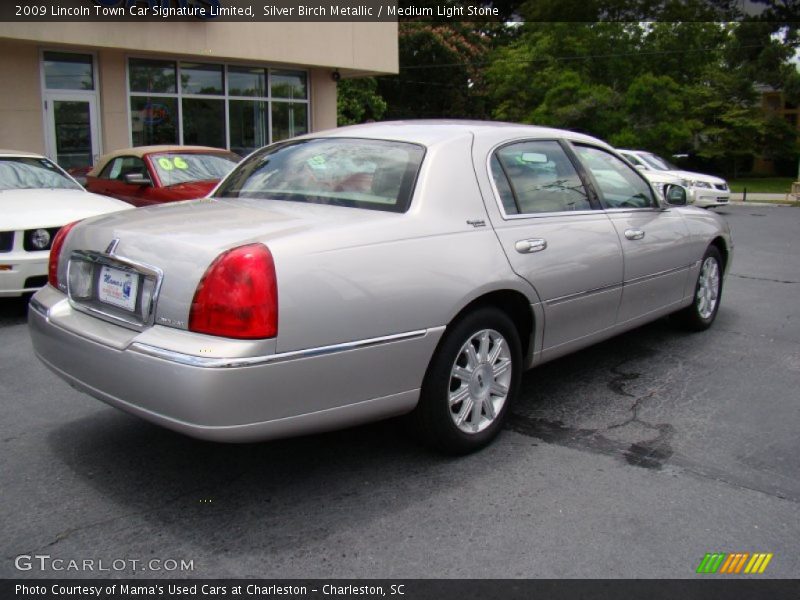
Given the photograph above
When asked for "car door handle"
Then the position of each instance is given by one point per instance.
(530, 246)
(634, 234)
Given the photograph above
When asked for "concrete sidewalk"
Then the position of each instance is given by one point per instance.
(761, 197)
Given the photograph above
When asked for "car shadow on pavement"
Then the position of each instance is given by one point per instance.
(288, 493)
(13, 311)
(269, 496)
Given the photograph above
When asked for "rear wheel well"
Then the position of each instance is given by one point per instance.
(720, 245)
(511, 302)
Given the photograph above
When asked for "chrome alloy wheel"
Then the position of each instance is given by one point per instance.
(708, 288)
(479, 381)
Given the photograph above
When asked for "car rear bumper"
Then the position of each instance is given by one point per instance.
(236, 399)
(22, 272)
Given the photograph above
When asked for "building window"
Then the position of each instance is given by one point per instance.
(204, 122)
(154, 120)
(288, 120)
(72, 132)
(226, 106)
(67, 71)
(152, 76)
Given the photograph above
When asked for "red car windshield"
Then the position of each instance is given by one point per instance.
(175, 168)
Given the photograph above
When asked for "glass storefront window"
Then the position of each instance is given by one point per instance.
(152, 76)
(66, 71)
(248, 124)
(72, 133)
(288, 84)
(247, 81)
(154, 120)
(198, 78)
(288, 120)
(204, 122)
(170, 103)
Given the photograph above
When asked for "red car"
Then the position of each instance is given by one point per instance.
(156, 174)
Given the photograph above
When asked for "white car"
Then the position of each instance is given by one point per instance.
(37, 198)
(704, 190)
(659, 179)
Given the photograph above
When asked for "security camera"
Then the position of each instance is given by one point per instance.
(336, 76)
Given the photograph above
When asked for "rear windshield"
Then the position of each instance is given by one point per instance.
(174, 168)
(22, 173)
(359, 173)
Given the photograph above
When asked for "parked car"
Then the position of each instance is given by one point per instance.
(154, 174)
(80, 174)
(37, 198)
(705, 191)
(372, 271)
(660, 179)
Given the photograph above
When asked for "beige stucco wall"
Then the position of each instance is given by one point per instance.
(323, 100)
(357, 47)
(21, 108)
(113, 100)
(351, 48)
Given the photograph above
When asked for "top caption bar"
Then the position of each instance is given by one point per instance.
(392, 10)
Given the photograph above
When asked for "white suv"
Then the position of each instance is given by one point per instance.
(704, 190)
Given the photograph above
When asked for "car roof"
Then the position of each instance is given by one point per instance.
(432, 131)
(140, 151)
(21, 153)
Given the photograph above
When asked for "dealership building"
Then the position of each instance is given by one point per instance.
(75, 91)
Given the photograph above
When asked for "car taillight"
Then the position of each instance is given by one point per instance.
(238, 295)
(55, 253)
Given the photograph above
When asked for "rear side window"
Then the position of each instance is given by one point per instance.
(123, 165)
(358, 173)
(538, 177)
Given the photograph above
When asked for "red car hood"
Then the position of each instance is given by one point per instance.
(189, 190)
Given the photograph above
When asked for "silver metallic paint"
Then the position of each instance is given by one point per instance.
(349, 280)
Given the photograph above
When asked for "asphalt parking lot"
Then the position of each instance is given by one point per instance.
(633, 458)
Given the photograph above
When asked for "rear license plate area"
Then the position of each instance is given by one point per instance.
(118, 287)
(112, 288)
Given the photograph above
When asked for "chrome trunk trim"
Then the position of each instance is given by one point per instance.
(207, 362)
(148, 271)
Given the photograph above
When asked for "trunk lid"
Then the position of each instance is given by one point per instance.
(182, 239)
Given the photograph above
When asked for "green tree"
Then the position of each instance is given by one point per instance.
(441, 71)
(358, 101)
(658, 116)
(572, 103)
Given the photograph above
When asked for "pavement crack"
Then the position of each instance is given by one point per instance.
(740, 276)
(617, 384)
(651, 455)
(67, 533)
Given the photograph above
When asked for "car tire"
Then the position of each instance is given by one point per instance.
(470, 383)
(700, 314)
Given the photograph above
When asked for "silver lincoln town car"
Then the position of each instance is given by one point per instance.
(371, 271)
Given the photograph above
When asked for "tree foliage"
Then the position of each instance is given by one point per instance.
(358, 101)
(441, 71)
(669, 86)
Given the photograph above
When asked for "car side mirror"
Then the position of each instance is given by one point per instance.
(675, 195)
(137, 179)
